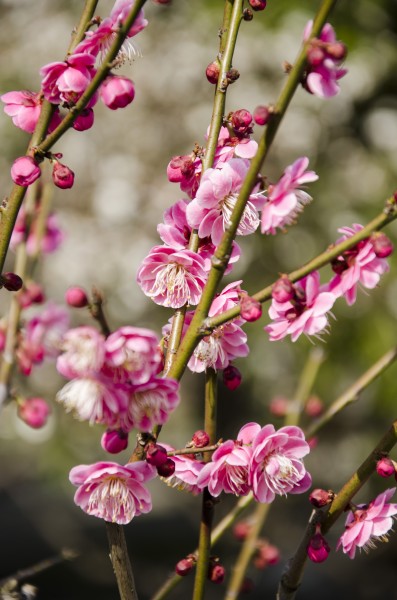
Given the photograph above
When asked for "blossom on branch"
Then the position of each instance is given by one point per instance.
(24, 108)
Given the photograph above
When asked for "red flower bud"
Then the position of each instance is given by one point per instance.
(385, 467)
(314, 406)
(62, 176)
(11, 281)
(231, 377)
(258, 4)
(25, 171)
(251, 309)
(381, 244)
(320, 498)
(200, 439)
(114, 440)
(76, 297)
(337, 50)
(283, 290)
(156, 455)
(261, 115)
(167, 468)
(212, 72)
(241, 120)
(318, 548)
(34, 412)
(216, 573)
(185, 566)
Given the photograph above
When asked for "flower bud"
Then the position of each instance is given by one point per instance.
(247, 14)
(34, 412)
(117, 92)
(85, 120)
(185, 566)
(318, 548)
(241, 120)
(278, 406)
(114, 440)
(25, 171)
(76, 297)
(11, 281)
(232, 75)
(381, 244)
(258, 4)
(200, 439)
(180, 167)
(320, 498)
(167, 468)
(62, 176)
(241, 530)
(261, 115)
(315, 55)
(266, 554)
(314, 407)
(156, 455)
(231, 377)
(283, 290)
(337, 50)
(212, 72)
(251, 309)
(385, 467)
(216, 573)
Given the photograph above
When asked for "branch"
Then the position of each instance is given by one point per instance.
(120, 561)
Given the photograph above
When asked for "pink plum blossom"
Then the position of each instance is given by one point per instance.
(66, 81)
(305, 313)
(368, 524)
(359, 265)
(25, 171)
(113, 492)
(150, 404)
(324, 70)
(24, 108)
(132, 355)
(216, 197)
(47, 328)
(34, 412)
(117, 92)
(83, 352)
(284, 200)
(50, 240)
(186, 474)
(228, 146)
(172, 278)
(276, 466)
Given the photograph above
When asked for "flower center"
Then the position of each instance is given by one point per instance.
(280, 473)
(111, 499)
(249, 220)
(174, 281)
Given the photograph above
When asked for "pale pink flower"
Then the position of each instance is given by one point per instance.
(47, 328)
(50, 240)
(240, 146)
(368, 524)
(132, 355)
(356, 266)
(172, 278)
(306, 313)
(151, 404)
(216, 197)
(229, 467)
(186, 474)
(94, 399)
(284, 201)
(113, 492)
(66, 81)
(324, 72)
(276, 466)
(24, 108)
(25, 171)
(83, 352)
(117, 92)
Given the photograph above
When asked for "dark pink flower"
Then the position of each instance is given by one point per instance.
(368, 524)
(83, 353)
(276, 466)
(112, 492)
(306, 313)
(66, 81)
(34, 412)
(359, 265)
(284, 201)
(117, 92)
(25, 171)
(172, 278)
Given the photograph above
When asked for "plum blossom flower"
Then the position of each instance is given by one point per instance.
(276, 466)
(83, 352)
(186, 474)
(113, 492)
(359, 265)
(66, 81)
(368, 524)
(325, 55)
(47, 328)
(216, 197)
(51, 239)
(172, 278)
(150, 404)
(305, 313)
(132, 355)
(33, 411)
(284, 201)
(228, 470)
(24, 108)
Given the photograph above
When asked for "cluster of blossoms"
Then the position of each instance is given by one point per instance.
(63, 84)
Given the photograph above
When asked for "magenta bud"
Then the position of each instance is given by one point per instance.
(231, 377)
(200, 439)
(318, 548)
(212, 72)
(278, 406)
(76, 297)
(62, 176)
(261, 115)
(11, 281)
(320, 498)
(185, 566)
(258, 4)
(180, 167)
(85, 120)
(34, 412)
(167, 468)
(241, 530)
(25, 171)
(114, 440)
(385, 467)
(283, 290)
(315, 55)
(216, 573)
(117, 92)
(381, 244)
(241, 120)
(251, 309)
(156, 455)
(337, 50)
(266, 555)
(314, 407)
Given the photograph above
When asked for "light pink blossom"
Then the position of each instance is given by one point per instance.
(276, 466)
(24, 108)
(83, 352)
(284, 201)
(172, 278)
(306, 313)
(66, 81)
(113, 492)
(356, 266)
(186, 474)
(132, 355)
(368, 524)
(151, 404)
(216, 197)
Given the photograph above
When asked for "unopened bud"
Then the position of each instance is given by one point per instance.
(337, 50)
(258, 4)
(315, 55)
(279, 406)
(62, 176)
(156, 455)
(212, 72)
(385, 467)
(241, 530)
(248, 14)
(11, 281)
(266, 555)
(283, 290)
(261, 115)
(381, 244)
(251, 309)
(232, 75)
(320, 498)
(241, 120)
(314, 407)
(114, 440)
(167, 468)
(185, 566)
(216, 573)
(76, 297)
(200, 439)
(231, 377)
(318, 548)
(33, 411)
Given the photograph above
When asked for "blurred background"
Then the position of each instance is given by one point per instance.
(109, 219)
